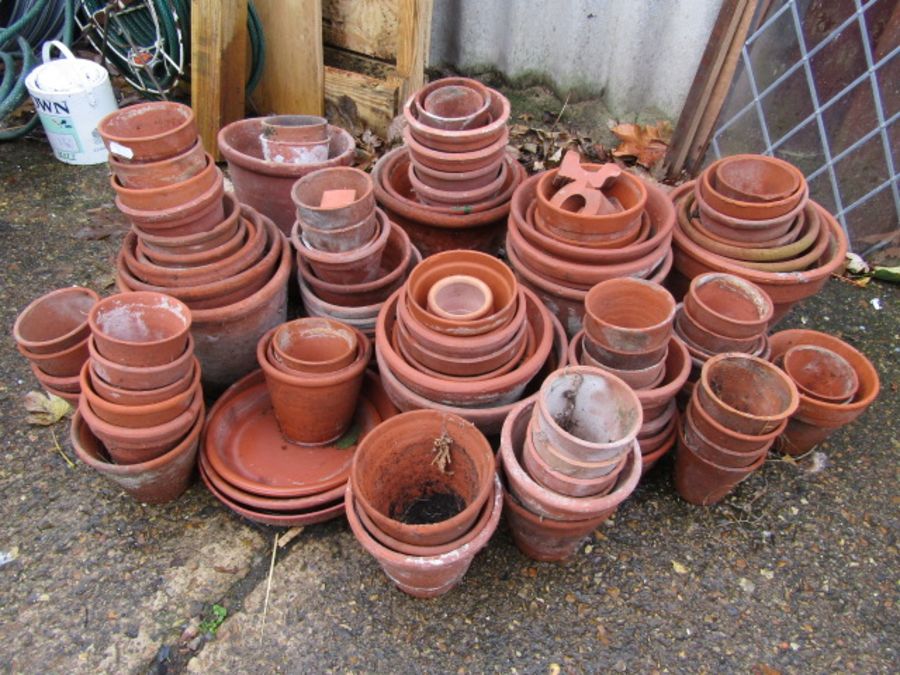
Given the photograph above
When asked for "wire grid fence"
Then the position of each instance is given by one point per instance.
(763, 117)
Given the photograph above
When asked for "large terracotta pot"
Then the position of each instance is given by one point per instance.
(55, 322)
(150, 131)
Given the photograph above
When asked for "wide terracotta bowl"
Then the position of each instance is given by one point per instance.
(56, 321)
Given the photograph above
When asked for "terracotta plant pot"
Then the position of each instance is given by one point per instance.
(64, 387)
(147, 396)
(165, 172)
(746, 393)
(745, 230)
(638, 379)
(197, 215)
(168, 196)
(156, 481)
(65, 363)
(134, 378)
(183, 259)
(356, 266)
(721, 455)
(314, 408)
(453, 104)
(315, 345)
(457, 194)
(333, 198)
(414, 497)
(149, 131)
(295, 139)
(690, 329)
(629, 314)
(140, 329)
(460, 297)
(341, 240)
(266, 186)
(818, 372)
(721, 435)
(762, 177)
(728, 305)
(564, 475)
(195, 243)
(55, 322)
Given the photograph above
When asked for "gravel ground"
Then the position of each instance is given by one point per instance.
(795, 572)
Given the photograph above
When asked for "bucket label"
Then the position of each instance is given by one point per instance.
(61, 133)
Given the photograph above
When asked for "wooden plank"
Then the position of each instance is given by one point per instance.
(710, 87)
(218, 65)
(375, 98)
(293, 80)
(366, 27)
(413, 42)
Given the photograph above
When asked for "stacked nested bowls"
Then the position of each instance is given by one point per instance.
(751, 216)
(424, 498)
(569, 459)
(52, 333)
(561, 252)
(450, 185)
(740, 405)
(350, 257)
(141, 400)
(295, 139)
(462, 336)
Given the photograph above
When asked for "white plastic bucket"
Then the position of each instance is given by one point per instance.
(71, 96)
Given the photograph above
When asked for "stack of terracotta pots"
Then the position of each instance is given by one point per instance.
(450, 185)
(740, 405)
(264, 181)
(723, 313)
(52, 333)
(462, 336)
(573, 227)
(350, 257)
(141, 408)
(836, 382)
(424, 498)
(751, 216)
(628, 333)
(569, 458)
(279, 443)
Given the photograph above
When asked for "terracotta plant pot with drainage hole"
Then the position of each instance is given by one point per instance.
(819, 373)
(311, 196)
(314, 408)
(414, 497)
(315, 345)
(294, 139)
(195, 243)
(728, 305)
(55, 322)
(165, 172)
(156, 481)
(629, 314)
(357, 266)
(149, 131)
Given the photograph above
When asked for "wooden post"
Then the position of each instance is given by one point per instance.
(413, 42)
(218, 65)
(293, 80)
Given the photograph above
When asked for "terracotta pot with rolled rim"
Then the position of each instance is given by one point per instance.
(140, 328)
(638, 379)
(820, 373)
(426, 576)
(713, 343)
(455, 161)
(314, 408)
(651, 427)
(168, 196)
(308, 193)
(195, 243)
(68, 388)
(756, 178)
(135, 378)
(357, 266)
(197, 215)
(745, 229)
(149, 131)
(623, 360)
(460, 297)
(165, 172)
(571, 486)
(146, 396)
(640, 227)
(457, 181)
(181, 259)
(295, 139)
(315, 345)
(440, 196)
(156, 481)
(739, 209)
(343, 239)
(453, 104)
(393, 472)
(746, 393)
(569, 466)
(266, 186)
(728, 305)
(629, 314)
(720, 454)
(55, 322)
(721, 435)
(814, 421)
(65, 363)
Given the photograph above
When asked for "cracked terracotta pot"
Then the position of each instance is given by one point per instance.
(150, 131)
(820, 373)
(56, 321)
(314, 345)
(629, 314)
(728, 305)
(333, 198)
(294, 139)
(409, 495)
(165, 172)
(190, 244)
(156, 481)
(777, 187)
(266, 186)
(314, 408)
(814, 421)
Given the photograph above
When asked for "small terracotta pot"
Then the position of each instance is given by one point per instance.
(131, 397)
(460, 297)
(620, 359)
(139, 378)
(168, 196)
(637, 379)
(407, 493)
(294, 139)
(309, 193)
(588, 414)
(194, 243)
(721, 435)
(746, 393)
(357, 266)
(65, 363)
(182, 259)
(55, 322)
(58, 385)
(140, 329)
(315, 345)
(728, 305)
(565, 465)
(756, 178)
(761, 179)
(629, 314)
(455, 182)
(165, 172)
(545, 475)
(818, 373)
(456, 161)
(149, 131)
(690, 329)
(719, 454)
(652, 427)
(314, 408)
(199, 214)
(739, 229)
(453, 106)
(156, 481)
(456, 195)
(343, 239)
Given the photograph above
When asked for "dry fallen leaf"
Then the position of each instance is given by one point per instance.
(646, 143)
(679, 568)
(45, 409)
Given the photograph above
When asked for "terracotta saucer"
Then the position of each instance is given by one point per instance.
(244, 445)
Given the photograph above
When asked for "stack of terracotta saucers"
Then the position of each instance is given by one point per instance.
(350, 257)
(569, 458)
(462, 336)
(751, 216)
(52, 333)
(740, 405)
(573, 227)
(141, 401)
(450, 185)
(424, 498)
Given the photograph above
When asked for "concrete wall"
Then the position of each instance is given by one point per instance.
(639, 54)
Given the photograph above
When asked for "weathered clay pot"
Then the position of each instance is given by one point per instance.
(715, 432)
(149, 131)
(538, 442)
(315, 345)
(453, 104)
(65, 363)
(139, 377)
(169, 171)
(768, 177)
(746, 393)
(130, 397)
(357, 266)
(460, 297)
(455, 195)
(343, 239)
(637, 379)
(157, 481)
(68, 388)
(818, 373)
(55, 322)
(745, 230)
(169, 196)
(815, 420)
(426, 576)
(200, 214)
(572, 486)
(409, 495)
(191, 259)
(294, 139)
(314, 408)
(621, 359)
(266, 186)
(629, 314)
(719, 454)
(460, 140)
(728, 305)
(690, 329)
(195, 243)
(354, 187)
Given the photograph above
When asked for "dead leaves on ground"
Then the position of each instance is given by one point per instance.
(105, 221)
(45, 409)
(647, 144)
(539, 148)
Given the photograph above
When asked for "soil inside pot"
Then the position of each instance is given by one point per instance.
(434, 505)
